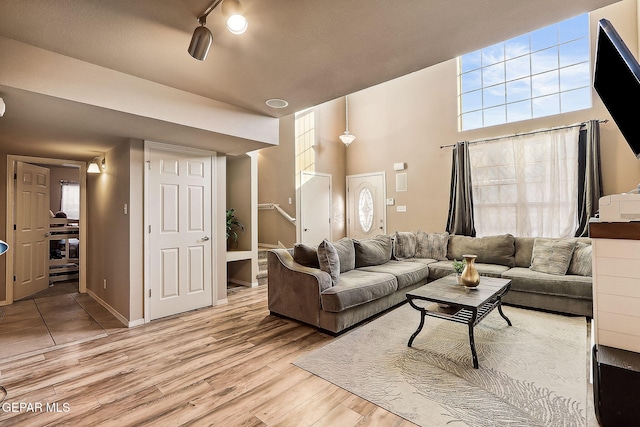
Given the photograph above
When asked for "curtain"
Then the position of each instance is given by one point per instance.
(526, 185)
(589, 175)
(460, 219)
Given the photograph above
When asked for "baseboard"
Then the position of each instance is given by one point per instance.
(115, 313)
(243, 283)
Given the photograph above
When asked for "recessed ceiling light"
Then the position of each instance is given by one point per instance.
(276, 103)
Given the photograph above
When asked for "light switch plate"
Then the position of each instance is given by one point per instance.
(401, 208)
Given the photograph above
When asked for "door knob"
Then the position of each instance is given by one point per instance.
(205, 238)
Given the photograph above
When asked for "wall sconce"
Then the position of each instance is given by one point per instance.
(3, 247)
(3, 107)
(97, 165)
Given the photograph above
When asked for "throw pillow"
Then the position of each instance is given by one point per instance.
(305, 255)
(329, 260)
(375, 251)
(489, 249)
(581, 261)
(432, 245)
(404, 245)
(552, 256)
(347, 254)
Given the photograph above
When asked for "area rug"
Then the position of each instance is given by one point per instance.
(533, 373)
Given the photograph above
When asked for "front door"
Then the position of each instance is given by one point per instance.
(179, 206)
(31, 253)
(366, 214)
(315, 207)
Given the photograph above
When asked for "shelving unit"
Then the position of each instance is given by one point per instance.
(64, 256)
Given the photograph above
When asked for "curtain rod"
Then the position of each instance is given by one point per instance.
(477, 141)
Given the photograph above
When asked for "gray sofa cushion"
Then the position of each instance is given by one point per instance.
(489, 249)
(346, 253)
(357, 287)
(404, 245)
(432, 245)
(581, 264)
(329, 260)
(374, 251)
(306, 255)
(406, 272)
(552, 256)
(527, 280)
(441, 269)
(524, 249)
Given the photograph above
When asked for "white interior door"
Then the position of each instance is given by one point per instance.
(315, 208)
(179, 254)
(31, 255)
(366, 210)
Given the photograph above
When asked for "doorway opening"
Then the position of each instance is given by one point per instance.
(48, 247)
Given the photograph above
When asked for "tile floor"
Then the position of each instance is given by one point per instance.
(36, 324)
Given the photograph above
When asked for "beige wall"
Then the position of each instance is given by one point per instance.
(239, 198)
(407, 119)
(108, 233)
(276, 184)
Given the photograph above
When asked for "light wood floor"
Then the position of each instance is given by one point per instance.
(223, 366)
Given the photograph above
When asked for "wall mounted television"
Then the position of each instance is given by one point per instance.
(617, 82)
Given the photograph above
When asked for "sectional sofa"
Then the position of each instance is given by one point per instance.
(340, 284)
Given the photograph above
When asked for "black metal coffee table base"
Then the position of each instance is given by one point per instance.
(464, 306)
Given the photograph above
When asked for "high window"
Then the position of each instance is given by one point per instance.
(305, 137)
(70, 199)
(538, 74)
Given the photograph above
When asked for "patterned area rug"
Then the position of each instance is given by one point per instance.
(531, 374)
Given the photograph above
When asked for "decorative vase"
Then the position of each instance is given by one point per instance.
(470, 277)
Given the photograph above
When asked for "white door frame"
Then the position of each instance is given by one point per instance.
(299, 204)
(215, 255)
(82, 268)
(384, 198)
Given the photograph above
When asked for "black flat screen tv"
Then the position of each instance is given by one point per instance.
(617, 82)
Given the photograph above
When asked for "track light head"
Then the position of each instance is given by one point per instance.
(236, 22)
(200, 42)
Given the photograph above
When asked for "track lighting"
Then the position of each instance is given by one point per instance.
(202, 37)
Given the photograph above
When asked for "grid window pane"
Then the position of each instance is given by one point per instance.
(527, 76)
(470, 61)
(574, 100)
(519, 90)
(574, 52)
(493, 74)
(518, 67)
(471, 101)
(517, 46)
(471, 81)
(544, 60)
(546, 105)
(574, 77)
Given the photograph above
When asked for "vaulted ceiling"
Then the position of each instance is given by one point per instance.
(304, 51)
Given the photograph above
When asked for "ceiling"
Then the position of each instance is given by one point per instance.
(304, 51)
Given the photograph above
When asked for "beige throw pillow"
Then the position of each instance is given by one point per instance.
(432, 245)
(404, 245)
(552, 256)
(581, 260)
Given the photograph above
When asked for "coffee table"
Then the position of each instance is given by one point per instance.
(459, 304)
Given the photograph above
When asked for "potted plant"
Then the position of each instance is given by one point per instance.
(232, 225)
(458, 266)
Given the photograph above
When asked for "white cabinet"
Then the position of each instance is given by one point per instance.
(616, 284)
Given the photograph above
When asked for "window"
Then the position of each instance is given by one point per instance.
(70, 199)
(526, 185)
(305, 137)
(539, 74)
(365, 210)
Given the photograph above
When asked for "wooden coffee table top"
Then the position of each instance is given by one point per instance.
(447, 291)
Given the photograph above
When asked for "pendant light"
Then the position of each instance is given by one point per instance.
(346, 137)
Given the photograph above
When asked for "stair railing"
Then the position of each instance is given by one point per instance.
(275, 206)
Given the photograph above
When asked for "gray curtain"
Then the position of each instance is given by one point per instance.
(460, 219)
(589, 175)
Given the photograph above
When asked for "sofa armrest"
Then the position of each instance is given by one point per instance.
(294, 290)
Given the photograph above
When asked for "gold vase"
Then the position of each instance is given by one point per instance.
(470, 277)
